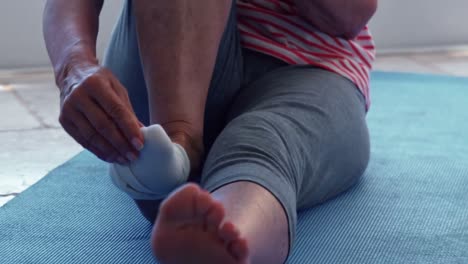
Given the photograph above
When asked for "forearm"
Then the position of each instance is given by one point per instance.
(178, 42)
(343, 18)
(70, 32)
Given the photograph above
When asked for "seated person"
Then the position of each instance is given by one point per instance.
(261, 103)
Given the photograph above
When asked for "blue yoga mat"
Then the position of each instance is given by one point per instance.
(410, 207)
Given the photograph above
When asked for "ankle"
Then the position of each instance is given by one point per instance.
(191, 141)
(193, 148)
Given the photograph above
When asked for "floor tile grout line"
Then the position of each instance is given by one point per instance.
(29, 129)
(427, 69)
(430, 65)
(30, 111)
(13, 194)
(30, 74)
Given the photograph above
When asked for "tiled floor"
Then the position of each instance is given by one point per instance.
(32, 142)
(31, 139)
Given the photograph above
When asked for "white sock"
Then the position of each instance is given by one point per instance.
(161, 167)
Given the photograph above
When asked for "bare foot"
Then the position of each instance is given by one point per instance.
(190, 229)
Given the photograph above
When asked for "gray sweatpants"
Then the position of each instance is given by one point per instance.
(298, 131)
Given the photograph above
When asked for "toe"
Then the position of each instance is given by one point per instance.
(209, 211)
(179, 205)
(203, 203)
(239, 250)
(228, 232)
(214, 217)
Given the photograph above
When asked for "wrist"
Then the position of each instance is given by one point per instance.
(74, 65)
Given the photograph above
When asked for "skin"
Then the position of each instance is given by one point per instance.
(95, 108)
(168, 34)
(240, 222)
(108, 127)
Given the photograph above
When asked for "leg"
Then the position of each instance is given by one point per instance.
(311, 142)
(123, 59)
(298, 138)
(191, 220)
(260, 218)
(185, 35)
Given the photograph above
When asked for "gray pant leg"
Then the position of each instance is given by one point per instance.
(123, 59)
(298, 131)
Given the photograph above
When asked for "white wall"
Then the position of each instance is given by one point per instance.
(406, 24)
(21, 42)
(398, 24)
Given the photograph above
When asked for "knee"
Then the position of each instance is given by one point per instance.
(257, 132)
(257, 139)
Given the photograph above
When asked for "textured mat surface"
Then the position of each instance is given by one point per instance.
(411, 206)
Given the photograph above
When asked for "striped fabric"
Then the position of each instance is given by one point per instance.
(274, 27)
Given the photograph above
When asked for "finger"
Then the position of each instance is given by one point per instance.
(114, 158)
(79, 128)
(101, 154)
(122, 114)
(95, 140)
(122, 93)
(73, 131)
(102, 127)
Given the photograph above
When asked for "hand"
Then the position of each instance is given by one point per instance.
(96, 112)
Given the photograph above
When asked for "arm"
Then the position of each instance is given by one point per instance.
(94, 107)
(70, 32)
(341, 18)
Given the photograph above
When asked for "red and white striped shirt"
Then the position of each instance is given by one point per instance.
(275, 28)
